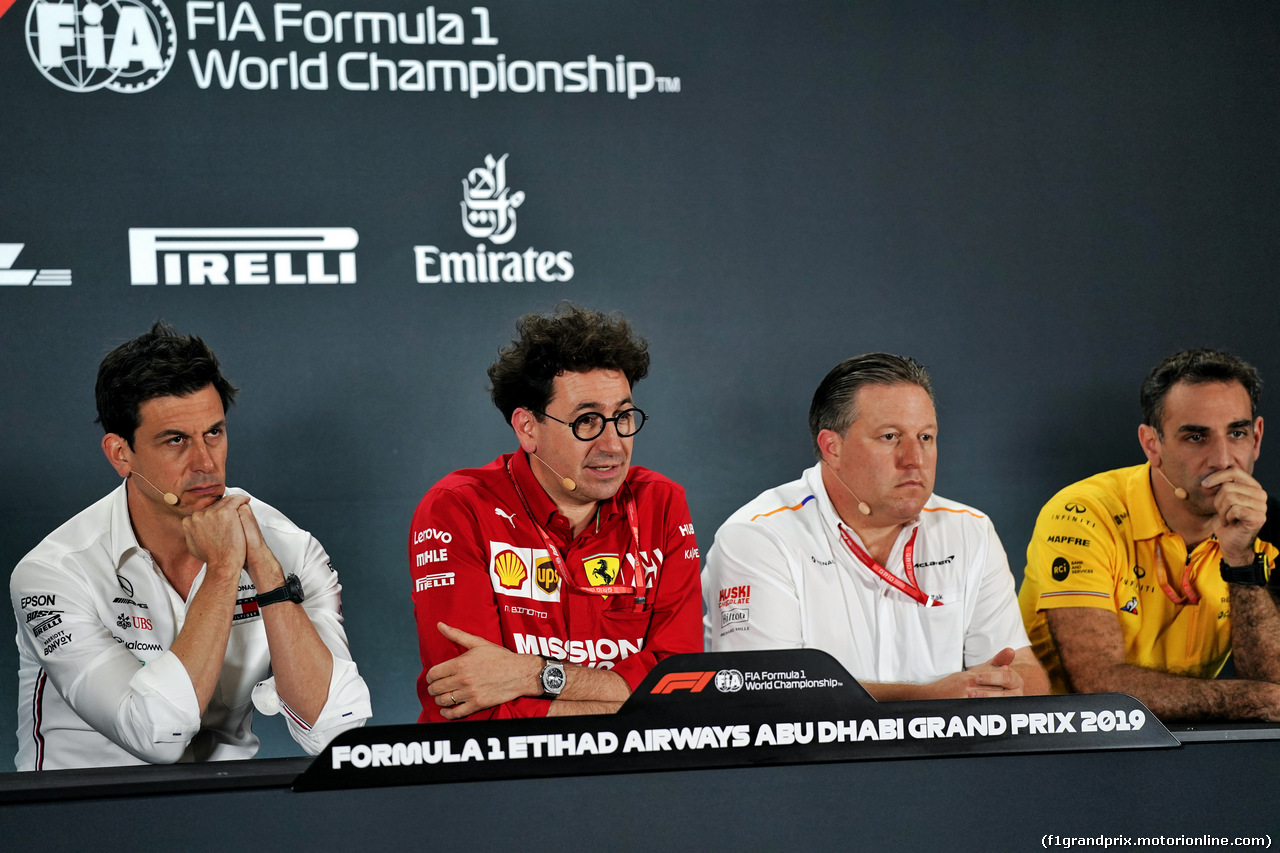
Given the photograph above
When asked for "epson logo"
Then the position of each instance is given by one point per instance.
(38, 601)
(242, 255)
(489, 213)
(122, 45)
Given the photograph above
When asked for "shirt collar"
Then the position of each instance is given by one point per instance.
(123, 541)
(540, 503)
(1144, 513)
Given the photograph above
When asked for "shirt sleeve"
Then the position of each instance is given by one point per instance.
(1072, 556)
(149, 710)
(675, 594)
(348, 705)
(995, 622)
(453, 587)
(751, 595)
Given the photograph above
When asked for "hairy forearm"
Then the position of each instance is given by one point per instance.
(201, 645)
(585, 684)
(300, 661)
(1255, 633)
(570, 708)
(1035, 682)
(1177, 697)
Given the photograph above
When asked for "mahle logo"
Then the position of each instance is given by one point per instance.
(122, 45)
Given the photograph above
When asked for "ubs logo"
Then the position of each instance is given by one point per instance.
(1060, 569)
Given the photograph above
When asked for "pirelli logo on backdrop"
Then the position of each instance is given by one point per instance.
(242, 256)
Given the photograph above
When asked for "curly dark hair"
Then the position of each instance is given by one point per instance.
(157, 363)
(1195, 366)
(572, 340)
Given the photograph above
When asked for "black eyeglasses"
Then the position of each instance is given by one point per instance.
(589, 426)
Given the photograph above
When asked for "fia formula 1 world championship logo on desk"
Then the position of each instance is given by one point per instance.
(121, 45)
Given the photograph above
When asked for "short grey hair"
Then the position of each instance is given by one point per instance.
(834, 403)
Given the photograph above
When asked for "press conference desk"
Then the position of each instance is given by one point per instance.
(1006, 802)
(776, 750)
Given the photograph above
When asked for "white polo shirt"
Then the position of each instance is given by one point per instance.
(779, 576)
(97, 684)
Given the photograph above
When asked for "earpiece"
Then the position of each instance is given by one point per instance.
(569, 485)
(862, 505)
(1178, 492)
(169, 497)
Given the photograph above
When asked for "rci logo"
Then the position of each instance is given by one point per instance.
(122, 45)
(1060, 569)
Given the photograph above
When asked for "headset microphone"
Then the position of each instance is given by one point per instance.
(169, 497)
(1178, 492)
(862, 505)
(569, 485)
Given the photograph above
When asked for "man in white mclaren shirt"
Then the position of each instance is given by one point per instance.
(152, 623)
(911, 592)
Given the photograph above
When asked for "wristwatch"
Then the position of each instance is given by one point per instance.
(552, 678)
(1254, 574)
(291, 591)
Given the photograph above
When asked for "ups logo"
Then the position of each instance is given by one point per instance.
(546, 577)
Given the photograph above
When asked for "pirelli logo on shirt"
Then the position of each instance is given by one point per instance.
(523, 572)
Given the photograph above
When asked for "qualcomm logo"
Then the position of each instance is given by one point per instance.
(20, 278)
(123, 45)
(242, 255)
(489, 213)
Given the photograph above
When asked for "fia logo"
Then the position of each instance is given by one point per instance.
(488, 213)
(122, 45)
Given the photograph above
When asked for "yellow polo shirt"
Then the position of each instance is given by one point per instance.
(1094, 545)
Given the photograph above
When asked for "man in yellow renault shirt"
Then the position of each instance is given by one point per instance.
(1145, 580)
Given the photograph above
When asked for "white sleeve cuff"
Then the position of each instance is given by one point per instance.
(164, 688)
(348, 706)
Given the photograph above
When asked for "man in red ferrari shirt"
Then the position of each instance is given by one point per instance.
(550, 581)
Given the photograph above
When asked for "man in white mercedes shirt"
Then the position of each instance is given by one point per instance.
(911, 592)
(152, 623)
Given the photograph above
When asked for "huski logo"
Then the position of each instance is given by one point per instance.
(489, 213)
(8, 276)
(243, 255)
(122, 45)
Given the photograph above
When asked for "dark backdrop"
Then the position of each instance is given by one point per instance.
(1038, 200)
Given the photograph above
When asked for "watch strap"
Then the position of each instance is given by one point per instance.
(1254, 574)
(290, 591)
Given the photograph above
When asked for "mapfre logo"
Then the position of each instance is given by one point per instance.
(489, 213)
(242, 255)
(121, 45)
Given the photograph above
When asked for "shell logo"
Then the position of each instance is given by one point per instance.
(510, 569)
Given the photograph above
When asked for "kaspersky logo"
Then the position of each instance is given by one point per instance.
(121, 45)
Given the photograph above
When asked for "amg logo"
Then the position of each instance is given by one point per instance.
(1069, 540)
(429, 581)
(242, 255)
(130, 602)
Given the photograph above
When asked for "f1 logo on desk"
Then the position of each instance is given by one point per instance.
(691, 681)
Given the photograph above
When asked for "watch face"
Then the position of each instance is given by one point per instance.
(553, 678)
